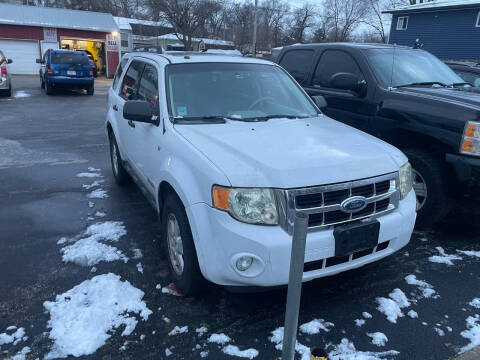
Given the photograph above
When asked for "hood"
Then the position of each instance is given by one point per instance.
(460, 95)
(286, 153)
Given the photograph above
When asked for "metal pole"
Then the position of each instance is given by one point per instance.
(255, 29)
(297, 260)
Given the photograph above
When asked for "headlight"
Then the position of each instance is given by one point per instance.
(471, 139)
(253, 206)
(406, 180)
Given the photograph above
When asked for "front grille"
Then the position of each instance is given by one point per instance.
(323, 203)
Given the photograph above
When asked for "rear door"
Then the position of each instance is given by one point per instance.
(298, 63)
(342, 105)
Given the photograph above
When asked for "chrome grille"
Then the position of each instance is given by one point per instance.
(323, 203)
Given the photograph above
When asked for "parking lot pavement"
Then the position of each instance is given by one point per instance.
(46, 208)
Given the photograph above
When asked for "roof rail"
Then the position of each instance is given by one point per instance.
(151, 49)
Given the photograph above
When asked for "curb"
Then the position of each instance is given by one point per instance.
(473, 354)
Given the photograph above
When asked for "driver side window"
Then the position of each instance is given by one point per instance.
(129, 88)
(148, 86)
(333, 62)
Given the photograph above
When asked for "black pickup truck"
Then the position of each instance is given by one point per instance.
(406, 97)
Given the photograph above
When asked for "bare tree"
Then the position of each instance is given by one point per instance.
(301, 20)
(343, 16)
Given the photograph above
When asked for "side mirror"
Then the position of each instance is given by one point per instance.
(320, 101)
(346, 81)
(39, 61)
(9, 61)
(140, 111)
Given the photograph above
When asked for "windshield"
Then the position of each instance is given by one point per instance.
(70, 58)
(410, 67)
(236, 91)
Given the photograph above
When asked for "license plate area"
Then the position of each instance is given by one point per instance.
(71, 72)
(356, 237)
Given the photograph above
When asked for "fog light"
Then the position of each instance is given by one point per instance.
(244, 262)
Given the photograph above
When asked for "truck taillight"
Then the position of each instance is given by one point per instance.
(50, 70)
(90, 72)
(3, 70)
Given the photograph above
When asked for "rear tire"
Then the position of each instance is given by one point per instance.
(48, 88)
(430, 177)
(187, 277)
(42, 83)
(8, 93)
(90, 90)
(119, 173)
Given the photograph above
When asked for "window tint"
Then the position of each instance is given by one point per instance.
(70, 58)
(119, 71)
(129, 87)
(297, 63)
(148, 88)
(469, 77)
(333, 62)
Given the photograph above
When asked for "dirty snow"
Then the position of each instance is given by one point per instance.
(21, 355)
(140, 268)
(84, 317)
(171, 290)
(90, 251)
(15, 337)
(444, 258)
(472, 333)
(359, 322)
(413, 314)
(427, 289)
(475, 303)
(470, 253)
(98, 194)
(314, 326)
(378, 338)
(92, 185)
(178, 330)
(219, 339)
(89, 175)
(233, 350)
(346, 351)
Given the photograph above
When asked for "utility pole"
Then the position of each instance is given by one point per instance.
(255, 29)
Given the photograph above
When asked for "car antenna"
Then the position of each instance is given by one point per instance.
(390, 88)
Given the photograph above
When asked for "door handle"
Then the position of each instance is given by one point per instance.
(115, 107)
(131, 123)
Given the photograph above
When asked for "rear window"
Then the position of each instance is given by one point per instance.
(70, 58)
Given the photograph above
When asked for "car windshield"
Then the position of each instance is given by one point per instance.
(404, 67)
(69, 58)
(248, 92)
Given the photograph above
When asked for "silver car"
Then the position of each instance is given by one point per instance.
(5, 78)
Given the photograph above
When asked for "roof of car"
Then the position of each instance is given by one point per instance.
(349, 45)
(463, 63)
(181, 57)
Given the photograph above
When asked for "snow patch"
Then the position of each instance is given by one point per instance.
(378, 338)
(21, 94)
(171, 290)
(359, 322)
(475, 303)
(168, 352)
(399, 297)
(233, 350)
(178, 330)
(413, 314)
(83, 318)
(21, 355)
(314, 326)
(100, 214)
(472, 333)
(444, 258)
(439, 331)
(90, 168)
(140, 268)
(470, 253)
(219, 339)
(97, 194)
(201, 330)
(137, 253)
(427, 289)
(204, 354)
(92, 185)
(346, 351)
(390, 309)
(277, 339)
(14, 337)
(89, 175)
(367, 315)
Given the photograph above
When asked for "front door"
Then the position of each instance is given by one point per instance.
(343, 105)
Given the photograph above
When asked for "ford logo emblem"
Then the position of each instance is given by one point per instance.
(354, 204)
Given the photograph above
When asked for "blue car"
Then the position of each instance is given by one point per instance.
(66, 69)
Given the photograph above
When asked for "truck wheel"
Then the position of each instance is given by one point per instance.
(430, 182)
(9, 91)
(42, 83)
(90, 90)
(179, 246)
(48, 88)
(119, 173)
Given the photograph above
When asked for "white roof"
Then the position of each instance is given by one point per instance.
(124, 23)
(205, 40)
(435, 4)
(179, 57)
(58, 18)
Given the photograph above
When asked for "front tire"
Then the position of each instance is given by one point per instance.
(179, 247)
(119, 173)
(430, 182)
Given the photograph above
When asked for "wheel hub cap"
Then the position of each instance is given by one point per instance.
(420, 187)
(115, 158)
(175, 244)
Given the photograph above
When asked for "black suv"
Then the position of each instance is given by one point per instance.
(407, 97)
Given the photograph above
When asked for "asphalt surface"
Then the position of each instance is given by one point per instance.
(46, 140)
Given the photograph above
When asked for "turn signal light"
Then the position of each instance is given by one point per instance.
(220, 197)
(471, 139)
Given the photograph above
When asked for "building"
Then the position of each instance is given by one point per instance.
(26, 32)
(447, 29)
(136, 33)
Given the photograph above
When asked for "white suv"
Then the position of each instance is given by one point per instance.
(227, 149)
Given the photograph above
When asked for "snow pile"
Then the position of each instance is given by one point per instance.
(470, 253)
(82, 319)
(392, 307)
(472, 333)
(178, 330)
(94, 184)
(219, 339)
(444, 258)
(97, 194)
(233, 350)
(314, 326)
(21, 354)
(427, 289)
(277, 339)
(378, 338)
(90, 251)
(475, 303)
(346, 351)
(15, 337)
(89, 175)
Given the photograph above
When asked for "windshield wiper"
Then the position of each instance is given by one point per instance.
(213, 119)
(268, 117)
(425, 83)
(461, 84)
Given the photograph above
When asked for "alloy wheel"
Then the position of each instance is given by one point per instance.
(175, 244)
(420, 188)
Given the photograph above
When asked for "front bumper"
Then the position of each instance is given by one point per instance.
(70, 81)
(220, 240)
(467, 168)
